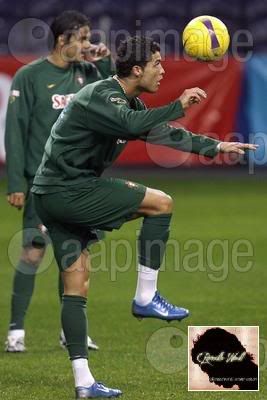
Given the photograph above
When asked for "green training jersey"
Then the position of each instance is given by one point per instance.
(94, 129)
(39, 92)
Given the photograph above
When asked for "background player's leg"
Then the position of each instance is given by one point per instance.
(23, 287)
(34, 244)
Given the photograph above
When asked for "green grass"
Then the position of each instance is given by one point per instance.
(204, 210)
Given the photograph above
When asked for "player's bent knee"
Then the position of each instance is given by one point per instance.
(165, 204)
(156, 202)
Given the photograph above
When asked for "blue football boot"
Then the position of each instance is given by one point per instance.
(96, 390)
(159, 308)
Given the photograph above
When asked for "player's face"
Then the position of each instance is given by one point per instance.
(152, 74)
(78, 44)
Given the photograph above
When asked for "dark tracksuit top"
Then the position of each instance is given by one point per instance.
(39, 92)
(95, 127)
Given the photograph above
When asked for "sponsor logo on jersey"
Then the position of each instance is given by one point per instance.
(121, 141)
(131, 184)
(60, 101)
(117, 100)
(51, 85)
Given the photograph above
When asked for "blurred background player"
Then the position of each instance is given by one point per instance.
(39, 92)
(88, 137)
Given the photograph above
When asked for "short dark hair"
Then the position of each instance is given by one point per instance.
(136, 50)
(67, 22)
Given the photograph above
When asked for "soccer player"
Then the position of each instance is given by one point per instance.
(39, 93)
(88, 136)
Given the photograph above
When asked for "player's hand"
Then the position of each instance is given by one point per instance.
(16, 200)
(236, 147)
(96, 52)
(192, 96)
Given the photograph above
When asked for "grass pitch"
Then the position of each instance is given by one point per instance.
(141, 358)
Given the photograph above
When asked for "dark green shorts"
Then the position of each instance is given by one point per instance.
(73, 216)
(33, 234)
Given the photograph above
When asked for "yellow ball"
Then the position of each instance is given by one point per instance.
(206, 38)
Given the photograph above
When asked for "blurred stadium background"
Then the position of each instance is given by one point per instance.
(223, 200)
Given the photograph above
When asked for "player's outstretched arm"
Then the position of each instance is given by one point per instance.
(183, 140)
(109, 113)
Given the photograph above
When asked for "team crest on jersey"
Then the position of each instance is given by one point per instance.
(13, 95)
(11, 99)
(117, 100)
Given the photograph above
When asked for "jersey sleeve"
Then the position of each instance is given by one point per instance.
(110, 113)
(16, 129)
(181, 139)
(105, 67)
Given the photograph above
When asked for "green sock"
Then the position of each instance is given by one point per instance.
(23, 286)
(152, 240)
(60, 287)
(74, 324)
